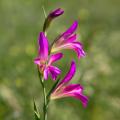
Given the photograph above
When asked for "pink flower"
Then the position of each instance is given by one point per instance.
(45, 62)
(64, 89)
(68, 40)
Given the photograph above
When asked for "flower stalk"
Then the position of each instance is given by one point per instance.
(46, 101)
(45, 63)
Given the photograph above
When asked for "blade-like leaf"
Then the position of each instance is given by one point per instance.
(36, 114)
(53, 87)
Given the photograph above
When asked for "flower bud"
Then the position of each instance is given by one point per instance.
(51, 16)
(56, 13)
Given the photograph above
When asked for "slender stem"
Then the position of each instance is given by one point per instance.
(46, 101)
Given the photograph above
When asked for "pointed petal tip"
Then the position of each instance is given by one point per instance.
(73, 65)
(85, 102)
(70, 73)
(75, 23)
(60, 55)
(72, 68)
(70, 30)
(83, 54)
(41, 37)
(59, 11)
(78, 48)
(55, 57)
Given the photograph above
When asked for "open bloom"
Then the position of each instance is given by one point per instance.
(68, 40)
(64, 89)
(43, 60)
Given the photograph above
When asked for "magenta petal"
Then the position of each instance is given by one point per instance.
(43, 46)
(73, 87)
(78, 48)
(75, 90)
(70, 74)
(82, 98)
(54, 71)
(70, 30)
(71, 39)
(46, 72)
(55, 57)
(72, 90)
(37, 61)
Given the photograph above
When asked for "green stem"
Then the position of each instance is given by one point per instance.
(46, 101)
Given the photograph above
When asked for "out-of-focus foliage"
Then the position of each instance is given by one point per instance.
(99, 30)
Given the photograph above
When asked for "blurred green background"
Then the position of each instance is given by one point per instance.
(99, 30)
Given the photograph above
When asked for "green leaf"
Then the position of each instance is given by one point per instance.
(36, 113)
(53, 87)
